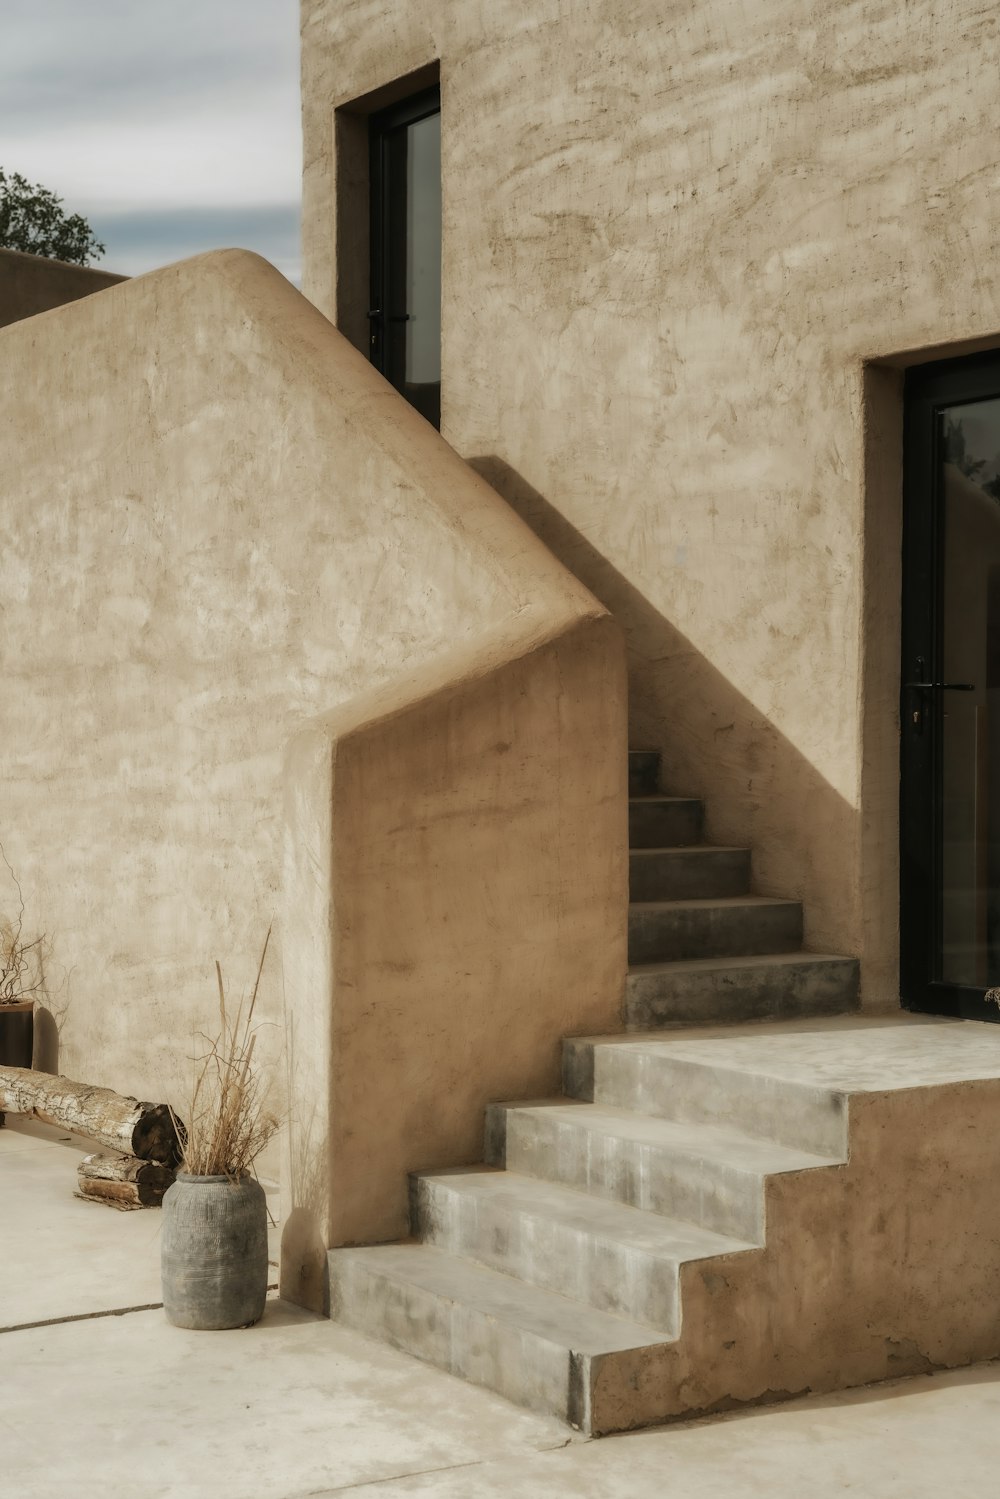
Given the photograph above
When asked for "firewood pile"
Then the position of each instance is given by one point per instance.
(144, 1139)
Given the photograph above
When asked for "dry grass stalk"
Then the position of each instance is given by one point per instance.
(20, 961)
(228, 1124)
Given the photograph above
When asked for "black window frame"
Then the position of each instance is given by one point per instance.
(387, 316)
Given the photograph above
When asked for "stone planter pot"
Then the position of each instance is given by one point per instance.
(17, 1026)
(213, 1252)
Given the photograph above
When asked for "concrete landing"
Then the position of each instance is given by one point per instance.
(848, 1053)
(125, 1404)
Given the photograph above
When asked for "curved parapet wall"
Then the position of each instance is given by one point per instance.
(30, 284)
(228, 547)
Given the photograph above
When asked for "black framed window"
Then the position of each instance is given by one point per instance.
(405, 197)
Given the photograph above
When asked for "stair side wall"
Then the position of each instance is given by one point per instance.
(886, 1266)
(218, 524)
(465, 848)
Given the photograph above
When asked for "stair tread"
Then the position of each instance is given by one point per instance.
(703, 902)
(709, 1142)
(672, 1239)
(750, 960)
(688, 850)
(647, 797)
(558, 1319)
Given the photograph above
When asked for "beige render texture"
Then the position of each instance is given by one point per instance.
(222, 530)
(674, 238)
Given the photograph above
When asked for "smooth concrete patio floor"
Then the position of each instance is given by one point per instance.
(102, 1400)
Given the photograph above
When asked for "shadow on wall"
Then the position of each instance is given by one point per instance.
(716, 743)
(45, 1052)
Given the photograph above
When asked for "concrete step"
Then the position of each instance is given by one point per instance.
(537, 1348)
(664, 1077)
(708, 991)
(664, 821)
(692, 873)
(671, 931)
(611, 1256)
(643, 772)
(709, 1174)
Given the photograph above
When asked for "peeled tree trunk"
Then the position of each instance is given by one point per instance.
(122, 1124)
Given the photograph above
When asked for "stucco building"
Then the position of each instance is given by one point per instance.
(703, 300)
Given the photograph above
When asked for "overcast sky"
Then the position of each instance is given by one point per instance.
(173, 127)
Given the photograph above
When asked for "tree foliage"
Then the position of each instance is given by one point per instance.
(32, 220)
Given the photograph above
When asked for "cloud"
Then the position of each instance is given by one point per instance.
(152, 237)
(151, 120)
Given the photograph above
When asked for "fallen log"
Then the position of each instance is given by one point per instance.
(122, 1181)
(145, 1130)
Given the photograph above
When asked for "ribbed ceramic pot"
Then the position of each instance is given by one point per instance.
(213, 1252)
(17, 1027)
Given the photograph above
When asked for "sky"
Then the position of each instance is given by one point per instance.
(173, 128)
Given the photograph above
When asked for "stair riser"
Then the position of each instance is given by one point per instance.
(647, 1082)
(656, 935)
(643, 772)
(722, 1198)
(669, 874)
(571, 1261)
(664, 824)
(526, 1368)
(732, 995)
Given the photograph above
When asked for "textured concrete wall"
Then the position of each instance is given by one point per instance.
(217, 524)
(672, 235)
(32, 283)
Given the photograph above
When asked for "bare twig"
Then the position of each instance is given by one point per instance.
(228, 1123)
(18, 958)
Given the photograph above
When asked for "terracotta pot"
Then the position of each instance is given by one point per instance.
(17, 1027)
(213, 1252)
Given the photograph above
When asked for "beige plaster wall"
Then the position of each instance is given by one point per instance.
(217, 525)
(672, 237)
(33, 283)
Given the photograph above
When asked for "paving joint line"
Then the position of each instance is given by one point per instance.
(115, 1311)
(118, 1311)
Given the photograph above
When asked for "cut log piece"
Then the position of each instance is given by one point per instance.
(145, 1130)
(123, 1181)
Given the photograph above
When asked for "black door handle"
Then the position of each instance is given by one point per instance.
(942, 686)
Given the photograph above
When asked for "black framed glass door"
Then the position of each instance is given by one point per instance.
(950, 704)
(405, 197)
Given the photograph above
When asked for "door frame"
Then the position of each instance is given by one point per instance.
(387, 207)
(928, 388)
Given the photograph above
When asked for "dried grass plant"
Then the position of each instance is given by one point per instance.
(20, 960)
(228, 1123)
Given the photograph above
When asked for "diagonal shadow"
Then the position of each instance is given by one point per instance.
(760, 790)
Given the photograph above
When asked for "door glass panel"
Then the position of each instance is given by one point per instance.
(969, 760)
(423, 252)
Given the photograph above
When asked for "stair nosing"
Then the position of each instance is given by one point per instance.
(710, 1131)
(699, 902)
(735, 960)
(373, 1258)
(690, 848)
(717, 1244)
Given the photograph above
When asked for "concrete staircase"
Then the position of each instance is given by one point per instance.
(553, 1272)
(707, 1216)
(702, 949)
